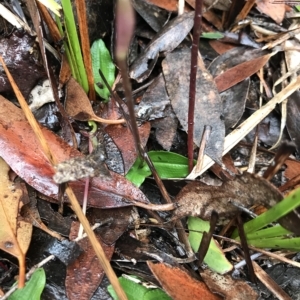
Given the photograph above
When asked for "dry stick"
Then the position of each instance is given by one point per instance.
(205, 136)
(193, 74)
(270, 283)
(245, 248)
(85, 45)
(75, 205)
(284, 151)
(268, 253)
(242, 130)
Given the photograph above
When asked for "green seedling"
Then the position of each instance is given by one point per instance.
(212, 35)
(101, 59)
(33, 288)
(167, 164)
(136, 291)
(214, 258)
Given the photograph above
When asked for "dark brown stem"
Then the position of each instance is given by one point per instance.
(193, 74)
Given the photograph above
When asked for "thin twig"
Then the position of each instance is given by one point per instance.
(193, 74)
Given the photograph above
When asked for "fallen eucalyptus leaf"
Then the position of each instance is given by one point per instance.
(208, 106)
(79, 107)
(166, 40)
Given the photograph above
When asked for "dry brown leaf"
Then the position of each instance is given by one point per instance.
(228, 287)
(240, 72)
(84, 275)
(79, 106)
(274, 9)
(15, 235)
(179, 285)
(21, 150)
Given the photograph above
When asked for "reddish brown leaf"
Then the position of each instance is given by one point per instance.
(274, 9)
(179, 285)
(123, 138)
(85, 274)
(240, 72)
(21, 150)
(79, 106)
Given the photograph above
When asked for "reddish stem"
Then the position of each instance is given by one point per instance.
(193, 74)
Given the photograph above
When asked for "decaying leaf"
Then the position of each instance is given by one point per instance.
(84, 275)
(156, 106)
(273, 9)
(15, 235)
(199, 199)
(231, 289)
(152, 14)
(21, 149)
(166, 40)
(125, 142)
(79, 106)
(179, 285)
(208, 106)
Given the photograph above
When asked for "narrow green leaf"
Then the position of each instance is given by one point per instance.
(33, 288)
(215, 258)
(167, 164)
(101, 59)
(74, 45)
(277, 243)
(279, 210)
(136, 291)
(156, 294)
(275, 231)
(212, 35)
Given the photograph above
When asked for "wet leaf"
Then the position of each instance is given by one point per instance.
(167, 165)
(23, 64)
(166, 40)
(198, 199)
(20, 148)
(154, 16)
(79, 106)
(208, 107)
(227, 286)
(15, 235)
(293, 122)
(179, 285)
(101, 59)
(33, 288)
(84, 275)
(214, 258)
(123, 139)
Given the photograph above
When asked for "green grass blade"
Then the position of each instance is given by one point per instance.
(279, 210)
(276, 231)
(277, 243)
(74, 42)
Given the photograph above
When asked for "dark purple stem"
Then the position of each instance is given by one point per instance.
(193, 74)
